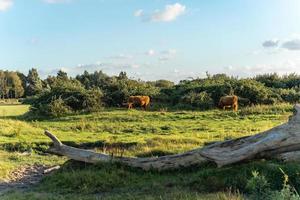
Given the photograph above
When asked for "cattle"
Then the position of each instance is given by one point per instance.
(139, 101)
(229, 101)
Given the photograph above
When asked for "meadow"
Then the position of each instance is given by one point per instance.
(136, 133)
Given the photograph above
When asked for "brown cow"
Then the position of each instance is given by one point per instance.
(142, 101)
(229, 101)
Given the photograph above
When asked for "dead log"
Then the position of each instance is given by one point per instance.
(51, 169)
(281, 142)
(159, 163)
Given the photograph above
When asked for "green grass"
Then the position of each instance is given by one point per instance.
(134, 133)
(183, 195)
(12, 110)
(10, 101)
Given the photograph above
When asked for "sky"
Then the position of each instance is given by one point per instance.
(151, 39)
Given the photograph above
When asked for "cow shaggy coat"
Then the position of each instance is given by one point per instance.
(229, 101)
(140, 101)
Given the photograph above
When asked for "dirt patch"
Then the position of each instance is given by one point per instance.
(25, 177)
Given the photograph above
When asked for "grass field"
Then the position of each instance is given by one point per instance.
(12, 110)
(133, 133)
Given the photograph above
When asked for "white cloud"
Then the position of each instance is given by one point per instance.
(108, 66)
(56, 1)
(34, 41)
(270, 43)
(122, 56)
(138, 13)
(285, 67)
(104, 66)
(267, 50)
(134, 66)
(5, 4)
(229, 68)
(170, 13)
(169, 52)
(174, 74)
(179, 75)
(167, 55)
(292, 45)
(150, 52)
(164, 58)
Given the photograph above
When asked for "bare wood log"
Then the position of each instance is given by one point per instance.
(51, 169)
(281, 142)
(293, 156)
(281, 139)
(159, 163)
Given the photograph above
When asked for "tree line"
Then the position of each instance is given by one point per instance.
(10, 85)
(61, 94)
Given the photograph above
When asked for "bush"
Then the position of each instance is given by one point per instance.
(201, 100)
(256, 92)
(287, 191)
(249, 91)
(289, 95)
(90, 91)
(58, 108)
(66, 96)
(117, 89)
(258, 187)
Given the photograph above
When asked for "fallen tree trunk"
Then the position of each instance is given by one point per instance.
(281, 142)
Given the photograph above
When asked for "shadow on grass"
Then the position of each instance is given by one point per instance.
(154, 153)
(109, 178)
(101, 144)
(43, 146)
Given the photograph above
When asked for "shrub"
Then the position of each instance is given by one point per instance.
(58, 108)
(202, 100)
(289, 95)
(256, 92)
(66, 96)
(258, 187)
(287, 191)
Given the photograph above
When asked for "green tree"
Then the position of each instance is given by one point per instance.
(34, 83)
(3, 85)
(16, 89)
(162, 83)
(62, 75)
(10, 85)
(23, 79)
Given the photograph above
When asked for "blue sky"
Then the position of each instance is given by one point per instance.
(151, 39)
